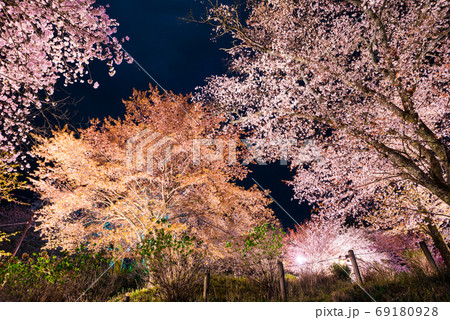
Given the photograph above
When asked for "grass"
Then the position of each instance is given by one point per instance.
(404, 287)
(139, 295)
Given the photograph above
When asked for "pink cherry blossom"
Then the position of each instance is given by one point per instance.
(43, 42)
(367, 81)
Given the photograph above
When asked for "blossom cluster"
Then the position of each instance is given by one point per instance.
(366, 80)
(43, 42)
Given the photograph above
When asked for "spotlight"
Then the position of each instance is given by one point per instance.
(300, 260)
(342, 261)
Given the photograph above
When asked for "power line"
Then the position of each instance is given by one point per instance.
(157, 83)
(268, 194)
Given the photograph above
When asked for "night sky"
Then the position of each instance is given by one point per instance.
(180, 56)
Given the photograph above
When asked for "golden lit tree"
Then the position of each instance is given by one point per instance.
(9, 180)
(93, 195)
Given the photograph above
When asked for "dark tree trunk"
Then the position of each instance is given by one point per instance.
(439, 242)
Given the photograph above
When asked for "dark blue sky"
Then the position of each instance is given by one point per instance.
(180, 56)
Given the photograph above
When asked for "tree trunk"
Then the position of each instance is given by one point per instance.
(439, 241)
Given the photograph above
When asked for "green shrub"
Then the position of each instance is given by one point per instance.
(42, 277)
(417, 262)
(173, 261)
(256, 255)
(4, 237)
(342, 272)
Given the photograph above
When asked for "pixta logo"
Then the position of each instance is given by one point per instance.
(147, 150)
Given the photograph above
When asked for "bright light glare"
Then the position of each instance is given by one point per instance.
(300, 259)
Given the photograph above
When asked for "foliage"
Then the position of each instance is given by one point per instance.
(263, 242)
(95, 195)
(139, 295)
(417, 262)
(318, 244)
(365, 81)
(256, 255)
(3, 238)
(41, 43)
(341, 272)
(9, 180)
(42, 277)
(174, 262)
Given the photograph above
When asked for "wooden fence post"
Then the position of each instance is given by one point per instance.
(352, 257)
(206, 286)
(282, 281)
(429, 257)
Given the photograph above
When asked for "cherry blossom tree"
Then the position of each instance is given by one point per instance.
(93, 196)
(318, 244)
(367, 81)
(43, 42)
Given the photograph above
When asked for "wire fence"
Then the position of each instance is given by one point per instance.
(358, 254)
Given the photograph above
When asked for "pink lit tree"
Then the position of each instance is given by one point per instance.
(317, 245)
(367, 81)
(43, 42)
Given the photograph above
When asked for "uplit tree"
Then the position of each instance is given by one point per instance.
(43, 42)
(9, 180)
(366, 80)
(318, 244)
(94, 196)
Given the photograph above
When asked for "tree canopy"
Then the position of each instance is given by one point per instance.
(94, 196)
(365, 80)
(41, 43)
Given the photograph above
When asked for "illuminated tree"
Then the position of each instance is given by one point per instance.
(9, 180)
(94, 196)
(317, 245)
(411, 209)
(43, 42)
(366, 80)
